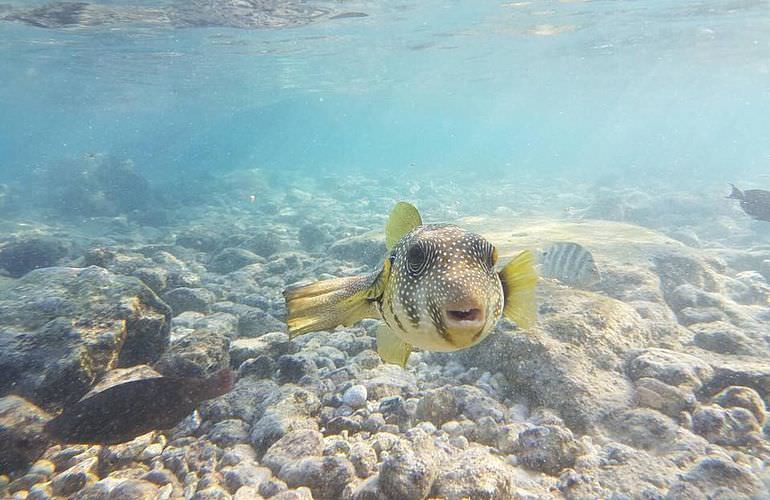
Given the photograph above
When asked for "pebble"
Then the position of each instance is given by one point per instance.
(245, 474)
(134, 489)
(355, 396)
(729, 427)
(150, 452)
(364, 459)
(547, 448)
(293, 446)
(75, 478)
(742, 397)
(211, 493)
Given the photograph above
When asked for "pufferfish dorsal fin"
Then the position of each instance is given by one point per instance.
(519, 280)
(403, 218)
(324, 305)
(391, 348)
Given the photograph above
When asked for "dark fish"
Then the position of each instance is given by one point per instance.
(569, 263)
(124, 411)
(755, 202)
(347, 15)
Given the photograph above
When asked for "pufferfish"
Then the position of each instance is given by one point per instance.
(438, 289)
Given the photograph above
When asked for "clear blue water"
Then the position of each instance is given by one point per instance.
(636, 88)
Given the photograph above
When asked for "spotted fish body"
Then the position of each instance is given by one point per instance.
(433, 268)
(437, 289)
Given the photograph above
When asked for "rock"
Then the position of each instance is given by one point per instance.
(211, 493)
(293, 446)
(232, 259)
(134, 489)
(667, 399)
(160, 477)
(80, 324)
(475, 473)
(326, 477)
(189, 299)
(290, 410)
(247, 493)
(364, 459)
(722, 338)
(41, 491)
(728, 427)
(271, 487)
(355, 396)
(75, 478)
(389, 380)
(229, 432)
(547, 448)
(368, 249)
(301, 493)
(673, 368)
(711, 473)
(252, 321)
(20, 257)
(247, 401)
(366, 490)
(26, 482)
(21, 433)
(261, 367)
(312, 237)
(272, 345)
(292, 367)
(393, 409)
(438, 406)
(200, 353)
(245, 475)
(263, 244)
(154, 277)
(570, 360)
(742, 397)
(476, 404)
(409, 471)
(642, 428)
(745, 372)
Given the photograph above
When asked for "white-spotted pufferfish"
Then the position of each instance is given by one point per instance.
(438, 289)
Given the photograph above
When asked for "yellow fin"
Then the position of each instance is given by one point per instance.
(391, 348)
(403, 218)
(519, 280)
(340, 301)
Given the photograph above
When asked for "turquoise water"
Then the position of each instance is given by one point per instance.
(638, 88)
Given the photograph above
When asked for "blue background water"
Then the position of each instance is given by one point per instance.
(668, 89)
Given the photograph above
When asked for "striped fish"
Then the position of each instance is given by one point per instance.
(569, 263)
(438, 289)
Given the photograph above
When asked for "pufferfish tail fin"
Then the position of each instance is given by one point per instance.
(324, 305)
(519, 280)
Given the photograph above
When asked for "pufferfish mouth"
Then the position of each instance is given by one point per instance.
(464, 315)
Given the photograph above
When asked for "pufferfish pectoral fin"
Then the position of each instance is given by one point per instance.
(403, 218)
(391, 348)
(519, 280)
(340, 301)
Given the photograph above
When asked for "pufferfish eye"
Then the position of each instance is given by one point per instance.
(416, 259)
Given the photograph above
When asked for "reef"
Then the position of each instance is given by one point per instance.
(651, 383)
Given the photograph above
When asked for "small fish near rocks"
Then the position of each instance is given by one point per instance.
(437, 289)
(570, 263)
(755, 202)
(129, 409)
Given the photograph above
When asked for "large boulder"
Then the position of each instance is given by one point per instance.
(19, 257)
(63, 328)
(572, 360)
